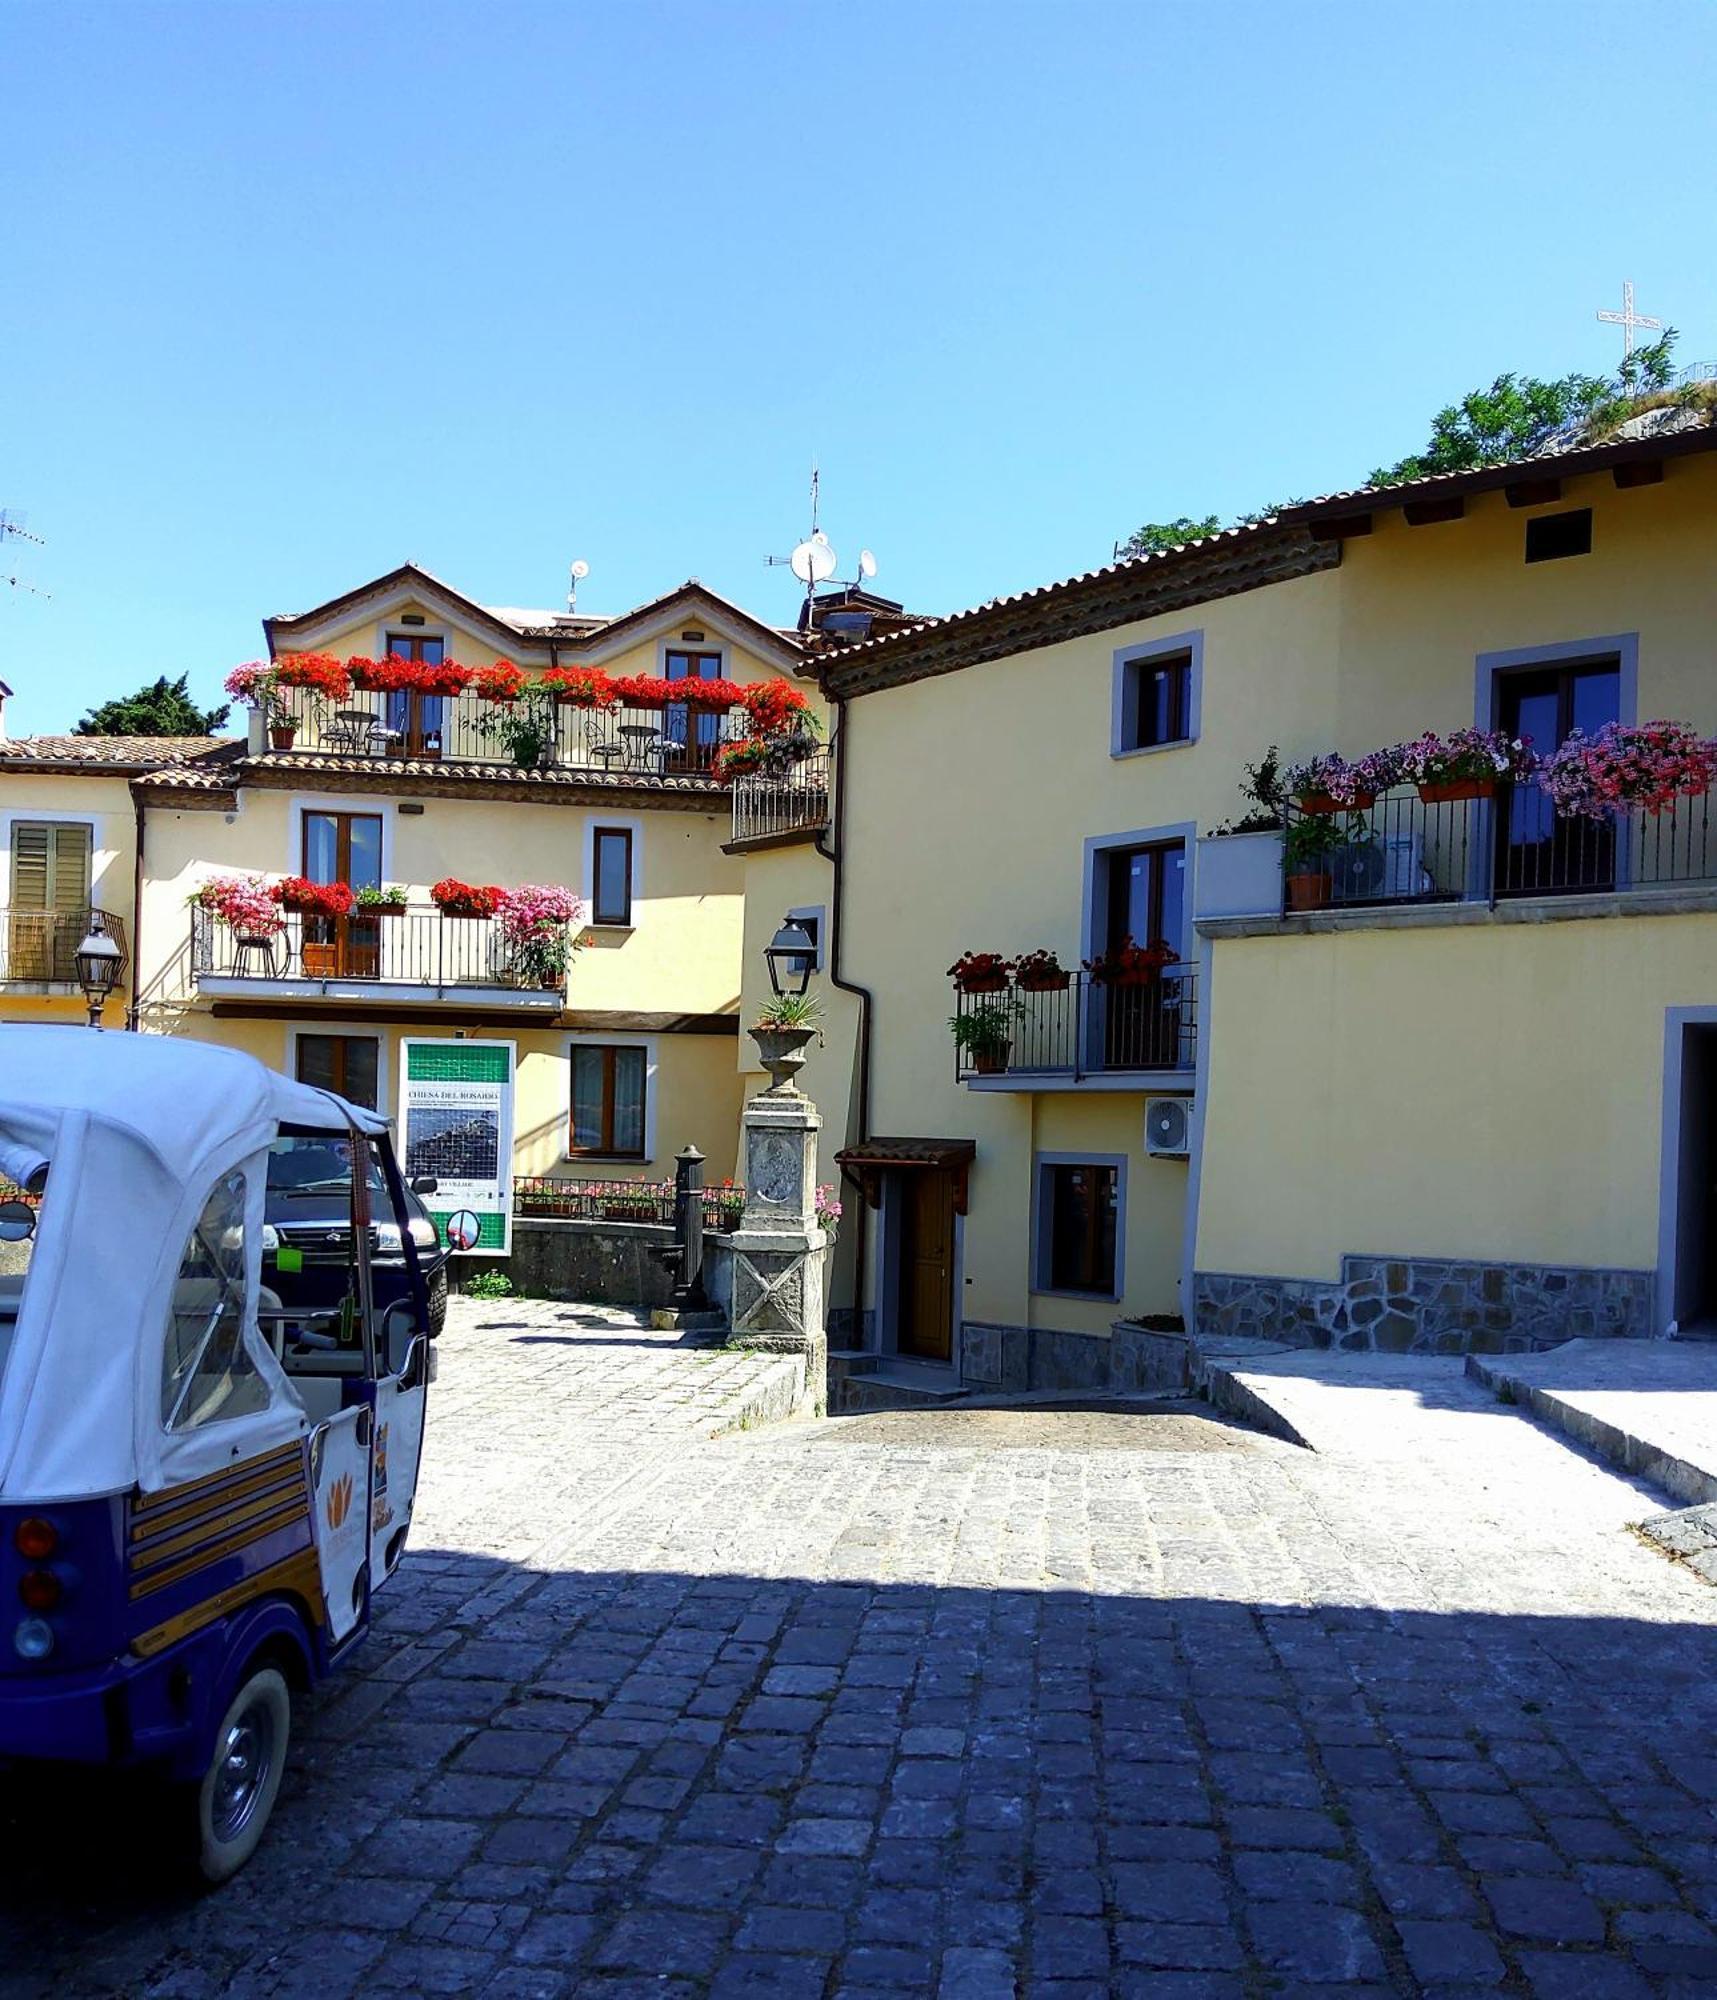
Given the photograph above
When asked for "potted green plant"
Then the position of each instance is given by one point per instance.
(385, 899)
(523, 726)
(1308, 856)
(784, 1028)
(984, 1033)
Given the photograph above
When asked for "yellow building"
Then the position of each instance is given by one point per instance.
(1468, 1097)
(607, 1071)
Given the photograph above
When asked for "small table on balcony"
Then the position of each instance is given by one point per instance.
(359, 731)
(643, 749)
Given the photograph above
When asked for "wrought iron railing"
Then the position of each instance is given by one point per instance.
(796, 800)
(639, 742)
(1507, 843)
(39, 947)
(1086, 1028)
(574, 1198)
(421, 948)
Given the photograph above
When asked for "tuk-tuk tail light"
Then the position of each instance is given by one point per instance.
(40, 1590)
(35, 1539)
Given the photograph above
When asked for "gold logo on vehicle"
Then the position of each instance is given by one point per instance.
(339, 1500)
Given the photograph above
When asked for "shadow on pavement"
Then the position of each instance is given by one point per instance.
(728, 1783)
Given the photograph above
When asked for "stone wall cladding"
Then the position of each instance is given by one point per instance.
(1428, 1305)
(1038, 1360)
(596, 1263)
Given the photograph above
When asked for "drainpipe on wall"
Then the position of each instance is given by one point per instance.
(136, 918)
(864, 996)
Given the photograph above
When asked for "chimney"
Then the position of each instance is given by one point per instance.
(5, 696)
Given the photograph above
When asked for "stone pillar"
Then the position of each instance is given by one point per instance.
(777, 1247)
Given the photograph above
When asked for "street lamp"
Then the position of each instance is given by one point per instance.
(99, 964)
(790, 955)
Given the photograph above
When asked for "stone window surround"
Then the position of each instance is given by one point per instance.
(1039, 1284)
(1123, 697)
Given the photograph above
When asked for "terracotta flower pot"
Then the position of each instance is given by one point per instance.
(992, 1060)
(379, 910)
(1309, 892)
(282, 735)
(1458, 788)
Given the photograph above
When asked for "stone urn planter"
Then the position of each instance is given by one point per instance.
(784, 1052)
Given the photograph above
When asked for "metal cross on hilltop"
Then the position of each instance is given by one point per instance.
(1627, 319)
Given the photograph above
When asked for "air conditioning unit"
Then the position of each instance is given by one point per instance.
(1381, 869)
(1168, 1127)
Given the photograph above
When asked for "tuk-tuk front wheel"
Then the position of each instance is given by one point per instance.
(238, 1790)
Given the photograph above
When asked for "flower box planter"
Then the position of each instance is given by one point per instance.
(1327, 802)
(465, 910)
(1044, 982)
(988, 982)
(379, 910)
(1130, 979)
(1452, 789)
(1309, 892)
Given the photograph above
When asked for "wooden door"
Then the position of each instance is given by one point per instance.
(926, 1328)
(343, 847)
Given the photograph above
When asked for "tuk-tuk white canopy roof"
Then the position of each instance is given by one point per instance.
(137, 1129)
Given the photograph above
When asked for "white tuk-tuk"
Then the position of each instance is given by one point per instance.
(201, 1482)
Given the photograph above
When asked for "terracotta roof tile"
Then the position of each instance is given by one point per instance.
(117, 753)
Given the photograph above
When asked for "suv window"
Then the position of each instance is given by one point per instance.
(207, 1373)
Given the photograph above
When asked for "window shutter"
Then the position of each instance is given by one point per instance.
(71, 849)
(30, 865)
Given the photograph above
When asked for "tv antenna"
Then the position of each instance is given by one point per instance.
(12, 530)
(813, 561)
(579, 571)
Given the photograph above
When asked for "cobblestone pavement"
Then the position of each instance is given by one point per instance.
(797, 1712)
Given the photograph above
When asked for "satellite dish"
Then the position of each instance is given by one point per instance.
(580, 570)
(867, 564)
(813, 561)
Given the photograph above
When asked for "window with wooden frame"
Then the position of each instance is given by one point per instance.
(420, 720)
(691, 743)
(608, 1086)
(1079, 1208)
(348, 1065)
(1158, 707)
(611, 875)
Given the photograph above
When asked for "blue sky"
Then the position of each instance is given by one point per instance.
(290, 293)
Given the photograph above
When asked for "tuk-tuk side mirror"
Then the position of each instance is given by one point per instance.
(425, 1184)
(17, 1221)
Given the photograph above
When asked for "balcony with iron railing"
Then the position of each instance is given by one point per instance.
(620, 741)
(1087, 1031)
(38, 948)
(1507, 843)
(419, 955)
(769, 806)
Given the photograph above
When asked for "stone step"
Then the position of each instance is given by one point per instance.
(896, 1386)
(1650, 1406)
